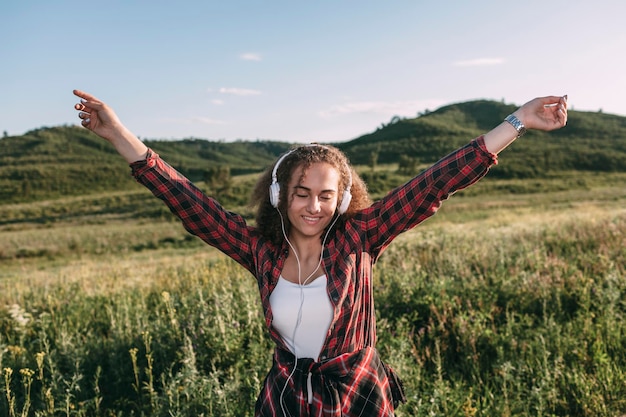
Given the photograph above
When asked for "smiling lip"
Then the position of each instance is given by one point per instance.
(311, 219)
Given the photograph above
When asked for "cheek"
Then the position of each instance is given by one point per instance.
(293, 203)
(294, 206)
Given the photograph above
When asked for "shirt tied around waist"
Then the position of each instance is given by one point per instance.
(351, 384)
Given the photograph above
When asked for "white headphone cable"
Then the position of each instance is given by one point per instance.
(301, 285)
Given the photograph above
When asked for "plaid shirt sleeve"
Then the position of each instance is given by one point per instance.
(201, 215)
(410, 204)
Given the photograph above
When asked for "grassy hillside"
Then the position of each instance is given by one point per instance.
(50, 163)
(66, 161)
(589, 142)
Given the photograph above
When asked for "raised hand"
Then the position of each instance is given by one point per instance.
(96, 116)
(544, 113)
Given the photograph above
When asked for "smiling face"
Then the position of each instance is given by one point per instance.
(313, 198)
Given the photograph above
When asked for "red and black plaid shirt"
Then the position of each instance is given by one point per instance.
(349, 379)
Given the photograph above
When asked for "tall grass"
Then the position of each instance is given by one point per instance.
(195, 346)
(516, 311)
(525, 321)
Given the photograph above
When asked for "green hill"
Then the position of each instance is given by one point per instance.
(61, 161)
(64, 161)
(589, 142)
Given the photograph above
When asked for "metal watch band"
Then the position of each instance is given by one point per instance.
(516, 123)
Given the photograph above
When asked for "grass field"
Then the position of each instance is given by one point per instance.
(503, 304)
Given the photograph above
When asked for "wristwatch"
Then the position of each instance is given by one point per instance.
(517, 124)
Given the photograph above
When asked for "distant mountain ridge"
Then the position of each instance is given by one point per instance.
(69, 160)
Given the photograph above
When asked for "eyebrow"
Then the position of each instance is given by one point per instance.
(309, 190)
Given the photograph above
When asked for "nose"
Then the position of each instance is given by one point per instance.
(314, 205)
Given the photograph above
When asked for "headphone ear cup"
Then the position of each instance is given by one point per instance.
(274, 194)
(345, 201)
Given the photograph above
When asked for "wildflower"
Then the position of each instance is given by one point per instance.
(16, 351)
(39, 359)
(19, 315)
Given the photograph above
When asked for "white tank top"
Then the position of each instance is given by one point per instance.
(309, 302)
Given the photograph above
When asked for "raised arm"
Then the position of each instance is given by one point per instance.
(543, 113)
(102, 120)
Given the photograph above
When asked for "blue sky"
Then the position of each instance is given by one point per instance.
(300, 71)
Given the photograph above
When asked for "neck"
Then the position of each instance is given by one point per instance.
(306, 248)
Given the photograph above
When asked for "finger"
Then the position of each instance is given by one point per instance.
(87, 101)
(83, 115)
(562, 115)
(85, 122)
(90, 105)
(551, 101)
(85, 96)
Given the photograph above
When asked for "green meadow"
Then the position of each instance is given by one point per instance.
(509, 302)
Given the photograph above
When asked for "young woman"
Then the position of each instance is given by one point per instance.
(316, 239)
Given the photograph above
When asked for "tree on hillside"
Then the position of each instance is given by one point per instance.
(218, 179)
(407, 165)
(374, 158)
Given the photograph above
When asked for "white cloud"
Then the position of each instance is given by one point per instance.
(217, 102)
(408, 108)
(239, 91)
(250, 56)
(479, 62)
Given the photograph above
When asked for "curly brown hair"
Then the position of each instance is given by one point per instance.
(268, 220)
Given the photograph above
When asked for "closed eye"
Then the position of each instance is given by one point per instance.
(303, 192)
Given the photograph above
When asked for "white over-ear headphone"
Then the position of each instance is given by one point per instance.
(346, 196)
